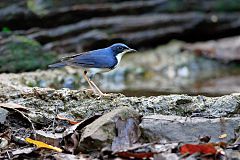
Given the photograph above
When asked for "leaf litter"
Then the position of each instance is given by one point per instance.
(20, 139)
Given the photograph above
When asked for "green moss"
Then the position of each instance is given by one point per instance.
(39, 7)
(23, 54)
(26, 40)
(6, 30)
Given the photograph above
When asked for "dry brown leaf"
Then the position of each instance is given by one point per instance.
(223, 136)
(67, 119)
(13, 106)
(207, 148)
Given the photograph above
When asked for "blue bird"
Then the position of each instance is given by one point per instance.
(98, 61)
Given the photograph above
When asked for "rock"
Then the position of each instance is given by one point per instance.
(48, 137)
(166, 156)
(138, 23)
(117, 25)
(3, 115)
(143, 31)
(80, 104)
(118, 128)
(76, 43)
(233, 154)
(77, 103)
(175, 128)
(16, 15)
(227, 49)
(64, 156)
(19, 15)
(19, 54)
(42, 13)
(224, 106)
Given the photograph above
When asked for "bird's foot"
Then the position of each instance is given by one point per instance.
(105, 95)
(88, 90)
(91, 92)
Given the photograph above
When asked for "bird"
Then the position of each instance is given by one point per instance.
(97, 61)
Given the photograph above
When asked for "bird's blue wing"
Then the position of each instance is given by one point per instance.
(94, 59)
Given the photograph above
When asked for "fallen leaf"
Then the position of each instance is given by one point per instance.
(145, 151)
(223, 136)
(128, 133)
(198, 148)
(220, 144)
(13, 106)
(6, 134)
(3, 143)
(23, 151)
(67, 119)
(71, 136)
(40, 144)
(80, 125)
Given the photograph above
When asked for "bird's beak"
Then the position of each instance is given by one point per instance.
(131, 50)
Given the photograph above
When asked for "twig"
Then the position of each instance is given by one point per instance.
(54, 119)
(33, 128)
(9, 157)
(237, 140)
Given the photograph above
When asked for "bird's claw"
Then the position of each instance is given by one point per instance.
(105, 95)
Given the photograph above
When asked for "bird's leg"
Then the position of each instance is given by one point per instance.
(89, 83)
(93, 85)
(99, 91)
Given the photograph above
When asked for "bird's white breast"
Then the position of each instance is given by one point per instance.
(99, 70)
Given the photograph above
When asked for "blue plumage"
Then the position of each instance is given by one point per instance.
(101, 58)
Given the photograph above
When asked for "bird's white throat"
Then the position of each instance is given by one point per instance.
(119, 56)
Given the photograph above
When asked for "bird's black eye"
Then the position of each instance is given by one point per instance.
(120, 48)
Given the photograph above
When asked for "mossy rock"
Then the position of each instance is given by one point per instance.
(21, 54)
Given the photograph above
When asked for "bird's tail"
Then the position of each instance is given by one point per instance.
(57, 65)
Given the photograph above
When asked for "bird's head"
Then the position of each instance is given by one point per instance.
(120, 49)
